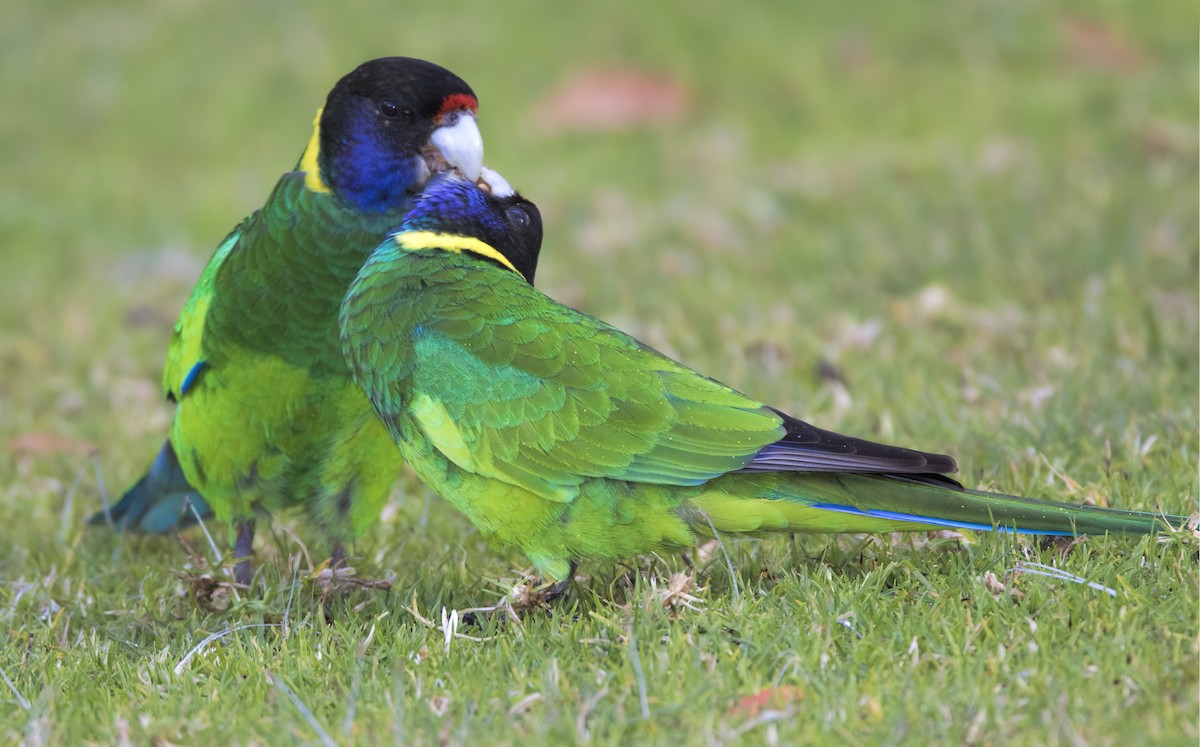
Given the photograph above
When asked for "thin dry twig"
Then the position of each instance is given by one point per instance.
(204, 528)
(216, 636)
(585, 710)
(766, 717)
(299, 543)
(524, 704)
(1040, 569)
(329, 581)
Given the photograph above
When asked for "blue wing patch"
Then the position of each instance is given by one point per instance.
(191, 377)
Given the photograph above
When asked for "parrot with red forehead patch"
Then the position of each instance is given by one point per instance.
(267, 415)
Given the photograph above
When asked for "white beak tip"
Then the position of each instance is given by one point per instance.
(461, 145)
(497, 184)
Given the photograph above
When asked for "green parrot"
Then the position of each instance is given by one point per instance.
(267, 415)
(560, 434)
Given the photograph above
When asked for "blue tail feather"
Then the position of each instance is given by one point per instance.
(950, 523)
(158, 503)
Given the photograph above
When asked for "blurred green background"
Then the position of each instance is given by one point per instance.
(965, 226)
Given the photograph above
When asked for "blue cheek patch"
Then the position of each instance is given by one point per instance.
(191, 377)
(372, 175)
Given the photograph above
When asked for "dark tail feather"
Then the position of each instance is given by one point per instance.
(158, 503)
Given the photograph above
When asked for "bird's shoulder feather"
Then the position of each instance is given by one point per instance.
(185, 350)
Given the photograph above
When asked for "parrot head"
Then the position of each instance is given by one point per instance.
(386, 127)
(500, 225)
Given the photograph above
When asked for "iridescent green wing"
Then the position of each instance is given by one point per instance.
(512, 385)
(289, 271)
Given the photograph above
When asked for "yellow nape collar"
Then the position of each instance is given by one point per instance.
(415, 241)
(308, 162)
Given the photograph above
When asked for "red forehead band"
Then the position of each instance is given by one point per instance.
(456, 101)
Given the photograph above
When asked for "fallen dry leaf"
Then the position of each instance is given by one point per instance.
(330, 582)
(1097, 46)
(678, 593)
(772, 697)
(438, 705)
(612, 99)
(28, 444)
(993, 584)
(214, 592)
(996, 587)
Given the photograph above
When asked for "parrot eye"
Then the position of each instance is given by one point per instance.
(389, 108)
(517, 216)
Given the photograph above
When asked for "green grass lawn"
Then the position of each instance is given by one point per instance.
(966, 227)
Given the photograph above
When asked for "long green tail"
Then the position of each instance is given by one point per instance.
(892, 503)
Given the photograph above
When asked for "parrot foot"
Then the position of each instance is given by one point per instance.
(337, 558)
(243, 550)
(558, 588)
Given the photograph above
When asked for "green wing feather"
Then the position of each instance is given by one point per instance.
(545, 397)
(185, 350)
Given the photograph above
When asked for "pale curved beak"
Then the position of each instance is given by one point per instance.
(461, 144)
(498, 184)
